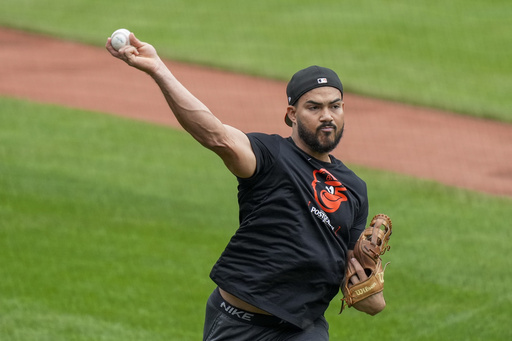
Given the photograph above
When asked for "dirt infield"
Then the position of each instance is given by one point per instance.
(451, 149)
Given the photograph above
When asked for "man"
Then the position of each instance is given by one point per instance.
(301, 210)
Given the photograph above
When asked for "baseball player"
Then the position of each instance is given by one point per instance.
(301, 209)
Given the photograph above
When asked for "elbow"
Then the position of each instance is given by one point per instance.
(214, 140)
(218, 146)
(211, 142)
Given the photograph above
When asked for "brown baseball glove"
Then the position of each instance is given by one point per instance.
(372, 244)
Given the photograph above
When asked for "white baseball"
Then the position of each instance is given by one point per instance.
(120, 38)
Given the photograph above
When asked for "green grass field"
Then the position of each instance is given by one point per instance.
(109, 228)
(447, 54)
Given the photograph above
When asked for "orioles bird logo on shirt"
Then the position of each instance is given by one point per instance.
(328, 190)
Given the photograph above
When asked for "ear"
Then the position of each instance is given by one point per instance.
(291, 113)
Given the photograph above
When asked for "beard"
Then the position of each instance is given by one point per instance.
(319, 141)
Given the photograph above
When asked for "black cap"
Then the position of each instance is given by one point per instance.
(308, 79)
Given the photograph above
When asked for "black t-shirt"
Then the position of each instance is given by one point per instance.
(298, 218)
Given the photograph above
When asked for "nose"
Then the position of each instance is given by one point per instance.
(326, 115)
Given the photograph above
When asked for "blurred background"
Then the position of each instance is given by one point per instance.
(109, 226)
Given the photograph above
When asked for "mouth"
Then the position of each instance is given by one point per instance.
(327, 128)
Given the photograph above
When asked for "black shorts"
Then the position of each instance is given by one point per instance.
(225, 322)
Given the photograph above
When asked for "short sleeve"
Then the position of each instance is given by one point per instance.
(266, 149)
(360, 220)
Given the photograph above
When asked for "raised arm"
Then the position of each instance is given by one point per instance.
(231, 144)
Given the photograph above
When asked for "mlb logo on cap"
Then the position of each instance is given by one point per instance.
(322, 80)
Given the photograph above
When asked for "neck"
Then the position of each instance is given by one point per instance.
(324, 157)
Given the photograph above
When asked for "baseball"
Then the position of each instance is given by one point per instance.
(120, 38)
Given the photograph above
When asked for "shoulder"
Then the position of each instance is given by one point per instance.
(268, 150)
(347, 171)
(265, 138)
(266, 143)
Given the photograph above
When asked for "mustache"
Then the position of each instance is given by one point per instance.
(327, 125)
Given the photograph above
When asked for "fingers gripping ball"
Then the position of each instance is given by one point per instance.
(120, 38)
(372, 244)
